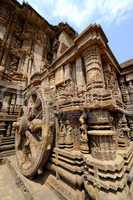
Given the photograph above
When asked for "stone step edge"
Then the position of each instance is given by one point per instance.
(7, 153)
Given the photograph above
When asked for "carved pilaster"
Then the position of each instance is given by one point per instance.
(123, 133)
(94, 71)
(80, 79)
(102, 136)
(124, 91)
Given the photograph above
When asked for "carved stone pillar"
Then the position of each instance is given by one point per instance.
(80, 75)
(102, 136)
(67, 72)
(124, 91)
(94, 71)
(123, 131)
(104, 167)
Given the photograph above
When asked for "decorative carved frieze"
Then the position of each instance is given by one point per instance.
(75, 106)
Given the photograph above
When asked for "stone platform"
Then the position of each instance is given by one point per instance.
(14, 186)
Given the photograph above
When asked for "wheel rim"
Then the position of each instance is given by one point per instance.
(34, 137)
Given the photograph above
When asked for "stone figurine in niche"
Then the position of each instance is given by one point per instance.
(79, 76)
(69, 133)
(84, 146)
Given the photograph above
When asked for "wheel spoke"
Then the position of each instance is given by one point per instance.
(30, 142)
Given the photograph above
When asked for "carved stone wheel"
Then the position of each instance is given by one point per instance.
(34, 136)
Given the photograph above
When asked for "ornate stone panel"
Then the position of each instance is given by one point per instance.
(76, 115)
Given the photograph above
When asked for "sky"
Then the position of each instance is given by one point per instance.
(115, 17)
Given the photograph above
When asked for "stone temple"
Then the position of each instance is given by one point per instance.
(66, 111)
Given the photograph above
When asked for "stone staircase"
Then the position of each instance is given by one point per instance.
(7, 146)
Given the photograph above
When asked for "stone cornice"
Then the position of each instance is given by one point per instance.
(126, 64)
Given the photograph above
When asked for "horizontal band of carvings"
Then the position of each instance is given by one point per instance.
(108, 185)
(127, 154)
(92, 105)
(12, 86)
(101, 132)
(90, 63)
(74, 179)
(94, 85)
(64, 190)
(72, 154)
(68, 166)
(99, 126)
(6, 117)
(96, 82)
(67, 159)
(110, 166)
(111, 175)
(91, 68)
(114, 171)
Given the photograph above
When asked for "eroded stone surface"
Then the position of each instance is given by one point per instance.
(74, 101)
(8, 187)
(14, 186)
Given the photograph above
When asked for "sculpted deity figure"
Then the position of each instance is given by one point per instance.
(69, 130)
(84, 133)
(62, 132)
